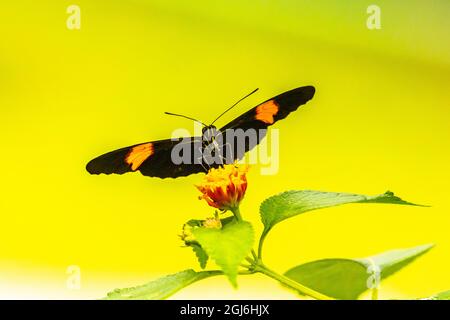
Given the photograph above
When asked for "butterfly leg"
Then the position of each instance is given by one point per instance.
(201, 158)
(229, 151)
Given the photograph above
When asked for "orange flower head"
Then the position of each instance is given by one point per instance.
(224, 188)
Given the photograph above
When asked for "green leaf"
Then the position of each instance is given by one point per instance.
(291, 203)
(202, 256)
(392, 261)
(440, 296)
(161, 288)
(227, 220)
(349, 278)
(443, 295)
(227, 246)
(194, 223)
(199, 223)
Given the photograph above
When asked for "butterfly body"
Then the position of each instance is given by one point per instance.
(184, 156)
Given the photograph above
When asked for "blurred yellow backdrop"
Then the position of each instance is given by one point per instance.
(379, 121)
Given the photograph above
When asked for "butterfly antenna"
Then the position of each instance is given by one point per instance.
(183, 116)
(234, 105)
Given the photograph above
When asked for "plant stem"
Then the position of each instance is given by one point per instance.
(290, 283)
(261, 243)
(258, 266)
(250, 260)
(237, 213)
(254, 255)
(245, 272)
(213, 272)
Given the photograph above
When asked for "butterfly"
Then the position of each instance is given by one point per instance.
(184, 156)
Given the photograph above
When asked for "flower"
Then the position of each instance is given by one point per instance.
(224, 188)
(213, 222)
(187, 236)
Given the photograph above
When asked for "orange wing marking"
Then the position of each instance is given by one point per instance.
(266, 111)
(138, 155)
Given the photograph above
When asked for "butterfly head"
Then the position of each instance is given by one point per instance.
(209, 133)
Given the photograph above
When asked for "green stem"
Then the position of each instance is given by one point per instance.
(211, 273)
(291, 283)
(237, 213)
(245, 272)
(261, 243)
(258, 266)
(254, 255)
(250, 260)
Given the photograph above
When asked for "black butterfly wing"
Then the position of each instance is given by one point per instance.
(272, 110)
(264, 115)
(153, 159)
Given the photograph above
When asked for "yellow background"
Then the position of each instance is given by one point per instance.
(379, 121)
